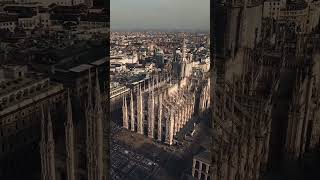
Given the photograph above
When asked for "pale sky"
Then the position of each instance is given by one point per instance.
(160, 14)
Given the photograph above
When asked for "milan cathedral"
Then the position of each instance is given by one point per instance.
(94, 142)
(167, 110)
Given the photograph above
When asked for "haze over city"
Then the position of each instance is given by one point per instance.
(160, 15)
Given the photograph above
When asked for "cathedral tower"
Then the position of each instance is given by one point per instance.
(69, 130)
(47, 148)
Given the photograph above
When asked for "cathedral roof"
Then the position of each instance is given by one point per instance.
(204, 156)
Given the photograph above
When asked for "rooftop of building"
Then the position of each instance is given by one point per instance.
(8, 18)
(204, 156)
(294, 5)
(81, 68)
(86, 55)
(68, 9)
(95, 17)
(11, 82)
(272, 1)
(20, 87)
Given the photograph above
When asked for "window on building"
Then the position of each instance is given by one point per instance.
(63, 176)
(197, 165)
(204, 167)
(196, 174)
(203, 176)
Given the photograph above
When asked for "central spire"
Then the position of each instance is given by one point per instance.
(184, 49)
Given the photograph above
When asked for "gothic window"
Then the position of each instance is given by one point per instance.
(19, 95)
(32, 90)
(63, 176)
(204, 167)
(196, 174)
(11, 98)
(203, 176)
(38, 87)
(25, 93)
(197, 165)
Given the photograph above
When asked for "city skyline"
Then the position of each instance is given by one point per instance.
(159, 15)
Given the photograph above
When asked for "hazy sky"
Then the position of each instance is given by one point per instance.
(160, 14)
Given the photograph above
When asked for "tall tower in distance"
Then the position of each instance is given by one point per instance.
(184, 50)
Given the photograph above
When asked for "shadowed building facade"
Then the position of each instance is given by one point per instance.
(264, 96)
(46, 124)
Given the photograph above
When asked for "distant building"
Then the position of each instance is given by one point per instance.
(303, 15)
(296, 13)
(27, 16)
(159, 57)
(272, 8)
(8, 22)
(130, 59)
(28, 22)
(22, 96)
(93, 20)
(116, 67)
